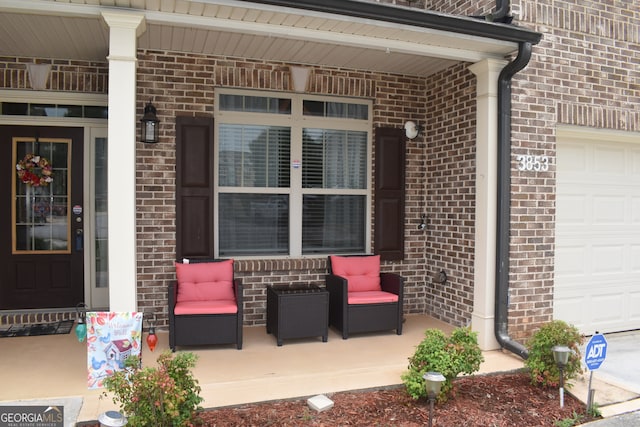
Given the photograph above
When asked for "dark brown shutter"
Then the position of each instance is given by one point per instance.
(389, 194)
(194, 187)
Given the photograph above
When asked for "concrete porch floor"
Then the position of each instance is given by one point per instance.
(54, 367)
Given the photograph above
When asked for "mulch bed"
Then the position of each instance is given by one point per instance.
(498, 400)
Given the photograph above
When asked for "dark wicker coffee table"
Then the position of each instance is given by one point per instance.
(297, 311)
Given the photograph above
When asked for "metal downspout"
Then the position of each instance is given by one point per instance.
(504, 200)
(500, 14)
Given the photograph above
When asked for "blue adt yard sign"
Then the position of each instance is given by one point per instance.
(595, 352)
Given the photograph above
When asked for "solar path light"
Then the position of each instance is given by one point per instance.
(561, 356)
(432, 382)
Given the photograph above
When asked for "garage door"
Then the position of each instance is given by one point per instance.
(597, 261)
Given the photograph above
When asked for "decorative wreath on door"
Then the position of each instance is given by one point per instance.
(35, 170)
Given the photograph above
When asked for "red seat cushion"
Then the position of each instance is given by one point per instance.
(207, 281)
(361, 272)
(371, 297)
(206, 307)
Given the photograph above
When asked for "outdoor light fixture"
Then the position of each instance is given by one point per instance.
(433, 383)
(299, 78)
(38, 75)
(561, 356)
(149, 124)
(152, 338)
(81, 327)
(412, 129)
(112, 419)
(423, 222)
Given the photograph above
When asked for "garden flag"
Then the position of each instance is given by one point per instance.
(111, 338)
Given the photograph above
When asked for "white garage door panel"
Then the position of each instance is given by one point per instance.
(602, 311)
(608, 259)
(573, 209)
(607, 160)
(597, 263)
(572, 309)
(634, 306)
(608, 210)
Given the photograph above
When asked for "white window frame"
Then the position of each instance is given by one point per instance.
(296, 121)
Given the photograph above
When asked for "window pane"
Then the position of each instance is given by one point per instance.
(333, 224)
(96, 112)
(101, 199)
(254, 156)
(41, 210)
(42, 110)
(336, 109)
(255, 104)
(253, 224)
(15, 109)
(334, 159)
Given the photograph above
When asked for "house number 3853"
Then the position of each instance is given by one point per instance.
(533, 163)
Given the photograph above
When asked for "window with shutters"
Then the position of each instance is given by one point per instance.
(292, 174)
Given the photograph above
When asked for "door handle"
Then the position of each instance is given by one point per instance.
(79, 239)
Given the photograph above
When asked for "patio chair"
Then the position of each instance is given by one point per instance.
(205, 304)
(361, 299)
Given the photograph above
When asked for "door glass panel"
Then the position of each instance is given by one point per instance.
(41, 189)
(102, 248)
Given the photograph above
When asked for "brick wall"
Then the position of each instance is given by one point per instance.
(66, 75)
(450, 167)
(583, 73)
(463, 8)
(182, 84)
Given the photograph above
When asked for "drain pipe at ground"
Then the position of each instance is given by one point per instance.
(504, 200)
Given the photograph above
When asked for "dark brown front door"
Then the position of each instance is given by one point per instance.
(41, 218)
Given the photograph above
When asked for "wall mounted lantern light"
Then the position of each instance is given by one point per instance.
(412, 129)
(149, 124)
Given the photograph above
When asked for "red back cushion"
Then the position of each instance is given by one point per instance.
(205, 281)
(362, 272)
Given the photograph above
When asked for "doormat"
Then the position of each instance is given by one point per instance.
(55, 328)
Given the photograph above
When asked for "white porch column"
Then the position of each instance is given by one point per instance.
(124, 29)
(483, 316)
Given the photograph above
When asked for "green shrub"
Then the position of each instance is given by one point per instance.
(542, 367)
(457, 354)
(164, 396)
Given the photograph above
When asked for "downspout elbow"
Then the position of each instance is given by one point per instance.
(501, 12)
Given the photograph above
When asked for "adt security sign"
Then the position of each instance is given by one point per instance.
(595, 352)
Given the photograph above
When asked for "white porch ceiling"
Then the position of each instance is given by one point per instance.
(74, 29)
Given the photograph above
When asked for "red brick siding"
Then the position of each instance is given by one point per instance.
(450, 190)
(181, 84)
(582, 73)
(464, 8)
(66, 75)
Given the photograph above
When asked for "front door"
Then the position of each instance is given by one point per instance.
(41, 217)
